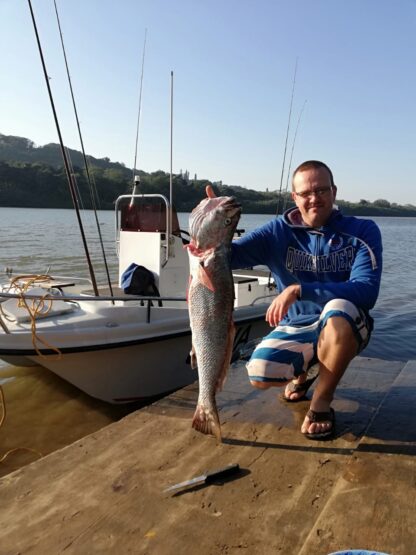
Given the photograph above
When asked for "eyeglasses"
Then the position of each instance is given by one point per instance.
(320, 192)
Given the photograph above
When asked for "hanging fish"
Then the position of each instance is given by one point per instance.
(211, 298)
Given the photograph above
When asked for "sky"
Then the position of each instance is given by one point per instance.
(233, 63)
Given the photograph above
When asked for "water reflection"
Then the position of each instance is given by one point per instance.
(45, 413)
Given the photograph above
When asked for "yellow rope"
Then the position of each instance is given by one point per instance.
(3, 407)
(3, 418)
(36, 307)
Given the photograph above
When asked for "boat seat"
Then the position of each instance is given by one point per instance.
(15, 311)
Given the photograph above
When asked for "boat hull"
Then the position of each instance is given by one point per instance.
(133, 370)
(128, 373)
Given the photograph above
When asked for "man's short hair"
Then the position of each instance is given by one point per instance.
(313, 165)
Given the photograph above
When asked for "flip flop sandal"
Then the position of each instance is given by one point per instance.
(299, 388)
(315, 416)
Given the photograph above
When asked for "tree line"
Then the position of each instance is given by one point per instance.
(34, 177)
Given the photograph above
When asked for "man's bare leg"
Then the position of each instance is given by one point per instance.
(337, 346)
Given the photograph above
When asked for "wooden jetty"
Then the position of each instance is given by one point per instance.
(104, 493)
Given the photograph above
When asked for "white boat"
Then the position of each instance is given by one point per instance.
(121, 348)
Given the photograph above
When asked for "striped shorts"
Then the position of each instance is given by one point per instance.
(287, 352)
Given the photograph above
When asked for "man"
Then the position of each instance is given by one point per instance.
(327, 269)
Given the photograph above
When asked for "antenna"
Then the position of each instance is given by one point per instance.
(287, 136)
(291, 157)
(136, 178)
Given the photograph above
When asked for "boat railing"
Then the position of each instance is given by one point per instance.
(70, 297)
(124, 298)
(254, 301)
(146, 300)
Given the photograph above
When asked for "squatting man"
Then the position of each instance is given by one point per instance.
(327, 269)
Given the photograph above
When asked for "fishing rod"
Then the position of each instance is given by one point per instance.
(86, 164)
(170, 210)
(171, 157)
(74, 178)
(291, 158)
(136, 178)
(64, 156)
(287, 136)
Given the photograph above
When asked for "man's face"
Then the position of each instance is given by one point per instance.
(314, 196)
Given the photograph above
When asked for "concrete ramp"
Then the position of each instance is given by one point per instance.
(104, 494)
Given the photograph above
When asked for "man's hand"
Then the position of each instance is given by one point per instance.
(281, 304)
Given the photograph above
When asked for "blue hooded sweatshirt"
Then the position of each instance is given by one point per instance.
(340, 260)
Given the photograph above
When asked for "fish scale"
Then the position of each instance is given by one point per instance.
(211, 324)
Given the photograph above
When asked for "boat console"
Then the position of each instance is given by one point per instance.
(148, 234)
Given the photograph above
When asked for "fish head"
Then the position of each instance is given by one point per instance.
(213, 222)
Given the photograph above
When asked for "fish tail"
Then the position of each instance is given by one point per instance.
(206, 421)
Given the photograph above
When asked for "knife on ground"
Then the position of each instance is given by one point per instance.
(209, 477)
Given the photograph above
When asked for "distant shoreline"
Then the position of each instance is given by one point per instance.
(360, 215)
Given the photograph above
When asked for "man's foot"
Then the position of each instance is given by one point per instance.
(319, 425)
(296, 389)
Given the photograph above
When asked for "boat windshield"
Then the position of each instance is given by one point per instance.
(147, 215)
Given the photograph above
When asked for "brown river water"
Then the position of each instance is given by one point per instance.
(44, 413)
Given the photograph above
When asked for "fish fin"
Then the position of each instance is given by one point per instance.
(205, 279)
(194, 362)
(206, 421)
(227, 357)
